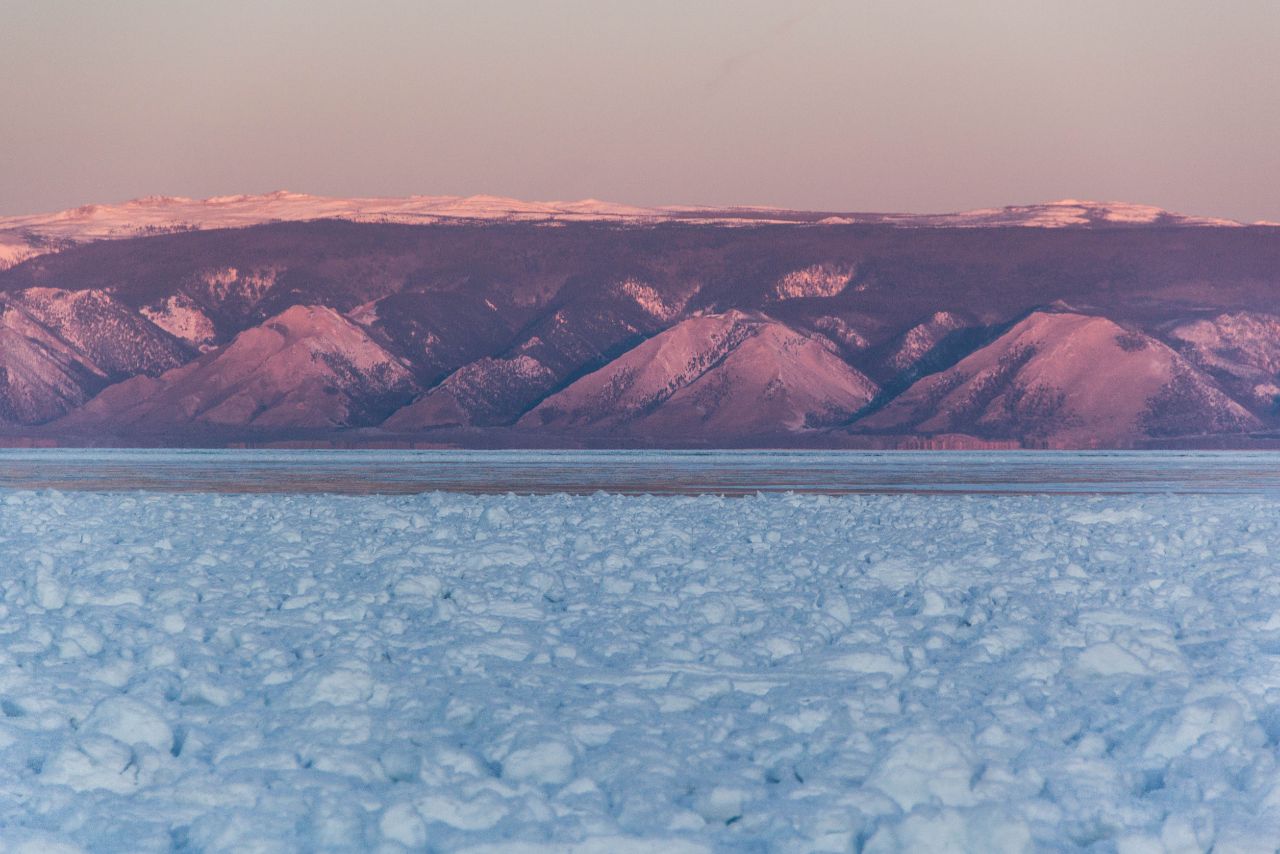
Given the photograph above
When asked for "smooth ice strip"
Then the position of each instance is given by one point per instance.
(741, 472)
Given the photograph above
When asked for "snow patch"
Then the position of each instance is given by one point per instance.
(648, 299)
(28, 235)
(182, 318)
(817, 280)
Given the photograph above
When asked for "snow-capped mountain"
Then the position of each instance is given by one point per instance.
(308, 367)
(1070, 380)
(712, 376)
(471, 322)
(27, 236)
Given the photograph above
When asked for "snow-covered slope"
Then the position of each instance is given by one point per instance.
(25, 236)
(182, 317)
(15, 248)
(231, 290)
(816, 280)
(1241, 347)
(58, 348)
(1063, 214)
(653, 303)
(840, 331)
(725, 374)
(308, 367)
(1067, 379)
(482, 393)
(41, 375)
(114, 337)
(919, 340)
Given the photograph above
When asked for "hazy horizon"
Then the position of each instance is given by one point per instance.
(912, 107)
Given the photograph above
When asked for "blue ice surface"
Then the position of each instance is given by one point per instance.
(1091, 664)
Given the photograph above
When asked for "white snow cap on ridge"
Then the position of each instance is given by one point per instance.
(26, 236)
(160, 213)
(1069, 212)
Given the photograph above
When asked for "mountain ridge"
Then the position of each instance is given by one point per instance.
(29, 235)
(478, 333)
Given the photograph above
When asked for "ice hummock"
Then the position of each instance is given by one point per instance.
(609, 673)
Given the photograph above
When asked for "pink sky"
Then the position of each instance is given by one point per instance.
(829, 105)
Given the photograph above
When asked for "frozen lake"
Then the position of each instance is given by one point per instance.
(643, 472)
(1031, 652)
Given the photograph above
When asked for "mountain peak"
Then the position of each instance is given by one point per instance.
(305, 367)
(714, 375)
(1071, 380)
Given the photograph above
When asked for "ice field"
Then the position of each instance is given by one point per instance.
(608, 673)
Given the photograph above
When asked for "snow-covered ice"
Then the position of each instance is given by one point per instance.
(603, 673)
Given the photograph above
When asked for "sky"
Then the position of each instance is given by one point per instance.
(840, 105)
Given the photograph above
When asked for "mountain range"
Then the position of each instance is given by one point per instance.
(482, 321)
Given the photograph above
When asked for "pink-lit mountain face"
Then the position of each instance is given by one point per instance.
(482, 321)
